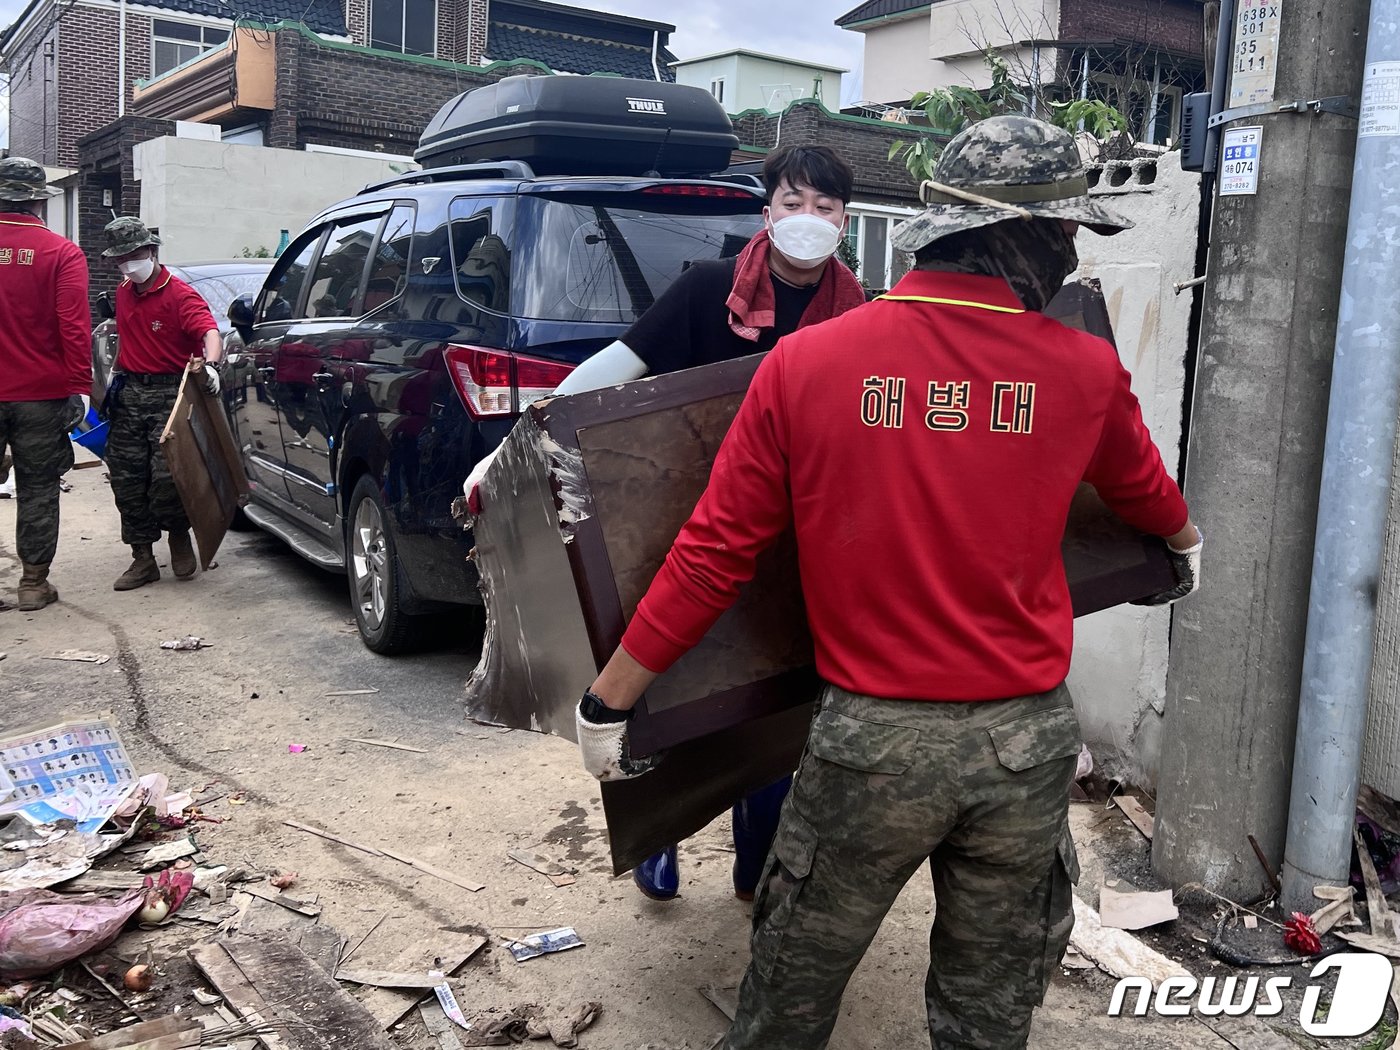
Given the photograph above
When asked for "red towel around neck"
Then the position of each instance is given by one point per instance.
(750, 301)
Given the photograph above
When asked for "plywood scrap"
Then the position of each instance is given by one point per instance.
(1377, 910)
(287, 901)
(447, 954)
(166, 1033)
(1124, 907)
(275, 980)
(435, 872)
(1134, 811)
(390, 979)
(438, 1026)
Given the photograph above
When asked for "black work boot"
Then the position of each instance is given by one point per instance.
(182, 560)
(35, 590)
(143, 569)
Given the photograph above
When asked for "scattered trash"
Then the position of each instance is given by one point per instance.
(139, 978)
(556, 872)
(167, 852)
(306, 908)
(545, 943)
(204, 998)
(41, 931)
(296, 749)
(1251, 922)
(1339, 907)
(448, 1002)
(726, 1000)
(163, 897)
(1300, 935)
(189, 643)
(386, 743)
(81, 656)
(1123, 907)
(349, 692)
(75, 770)
(284, 881)
(1085, 764)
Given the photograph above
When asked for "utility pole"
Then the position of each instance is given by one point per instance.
(1355, 495)
(1255, 461)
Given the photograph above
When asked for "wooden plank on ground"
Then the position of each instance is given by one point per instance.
(388, 979)
(311, 911)
(223, 973)
(439, 1026)
(437, 873)
(1132, 809)
(1378, 911)
(183, 1030)
(321, 1015)
(388, 1005)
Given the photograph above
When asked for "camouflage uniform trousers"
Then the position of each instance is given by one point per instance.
(979, 792)
(141, 483)
(42, 453)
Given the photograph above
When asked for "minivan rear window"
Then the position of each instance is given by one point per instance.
(608, 257)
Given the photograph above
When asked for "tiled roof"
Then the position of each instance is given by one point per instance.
(567, 53)
(324, 16)
(880, 9)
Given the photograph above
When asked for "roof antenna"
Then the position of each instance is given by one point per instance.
(655, 172)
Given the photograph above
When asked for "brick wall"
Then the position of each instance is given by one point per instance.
(1174, 24)
(864, 143)
(336, 97)
(357, 20)
(88, 71)
(105, 163)
(34, 95)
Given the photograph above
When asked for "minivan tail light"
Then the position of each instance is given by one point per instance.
(495, 384)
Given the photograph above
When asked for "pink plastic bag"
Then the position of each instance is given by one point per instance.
(41, 931)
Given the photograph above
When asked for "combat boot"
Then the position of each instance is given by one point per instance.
(35, 590)
(182, 561)
(143, 569)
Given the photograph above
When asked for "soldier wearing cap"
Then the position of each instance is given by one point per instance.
(45, 365)
(162, 323)
(925, 448)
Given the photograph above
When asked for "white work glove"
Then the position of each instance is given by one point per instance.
(75, 411)
(603, 743)
(211, 379)
(1186, 565)
(470, 486)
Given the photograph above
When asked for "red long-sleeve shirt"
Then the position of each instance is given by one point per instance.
(45, 324)
(926, 455)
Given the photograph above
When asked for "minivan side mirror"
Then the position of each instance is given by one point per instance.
(240, 315)
(105, 309)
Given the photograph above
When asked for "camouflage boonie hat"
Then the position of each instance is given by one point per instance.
(125, 235)
(22, 179)
(1003, 168)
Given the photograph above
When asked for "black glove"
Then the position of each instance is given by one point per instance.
(1186, 567)
(74, 412)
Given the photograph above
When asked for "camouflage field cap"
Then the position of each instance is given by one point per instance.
(22, 179)
(125, 235)
(1006, 168)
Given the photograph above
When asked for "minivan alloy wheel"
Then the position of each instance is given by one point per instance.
(369, 558)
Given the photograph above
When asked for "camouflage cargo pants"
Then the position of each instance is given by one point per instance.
(141, 482)
(39, 446)
(978, 792)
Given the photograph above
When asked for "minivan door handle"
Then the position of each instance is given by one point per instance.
(267, 371)
(322, 377)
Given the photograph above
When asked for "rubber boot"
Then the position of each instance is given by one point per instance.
(35, 590)
(182, 561)
(143, 569)
(659, 877)
(755, 824)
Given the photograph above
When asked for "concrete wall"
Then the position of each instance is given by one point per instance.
(967, 27)
(1119, 674)
(897, 62)
(749, 81)
(211, 200)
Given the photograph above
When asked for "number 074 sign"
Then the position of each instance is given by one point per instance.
(1239, 161)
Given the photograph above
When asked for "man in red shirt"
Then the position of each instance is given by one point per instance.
(161, 324)
(925, 449)
(45, 366)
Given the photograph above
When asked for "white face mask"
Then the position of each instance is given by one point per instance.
(807, 240)
(138, 270)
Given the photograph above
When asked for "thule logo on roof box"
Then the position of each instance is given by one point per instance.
(646, 105)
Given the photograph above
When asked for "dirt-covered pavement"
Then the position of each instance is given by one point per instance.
(220, 721)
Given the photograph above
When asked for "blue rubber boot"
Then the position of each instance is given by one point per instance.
(755, 824)
(659, 877)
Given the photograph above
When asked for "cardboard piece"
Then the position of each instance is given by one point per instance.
(204, 463)
(1124, 907)
(581, 506)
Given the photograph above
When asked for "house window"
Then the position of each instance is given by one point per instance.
(868, 230)
(1155, 124)
(406, 26)
(717, 89)
(175, 43)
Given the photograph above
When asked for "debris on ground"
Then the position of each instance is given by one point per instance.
(544, 943)
(354, 692)
(81, 656)
(386, 743)
(284, 881)
(296, 749)
(1135, 812)
(1300, 934)
(187, 644)
(556, 873)
(1124, 907)
(41, 930)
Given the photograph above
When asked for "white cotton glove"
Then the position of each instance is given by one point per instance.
(1186, 565)
(211, 379)
(604, 748)
(470, 486)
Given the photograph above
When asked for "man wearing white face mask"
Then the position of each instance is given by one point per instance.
(161, 324)
(784, 279)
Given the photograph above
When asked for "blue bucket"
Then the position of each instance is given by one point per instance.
(91, 433)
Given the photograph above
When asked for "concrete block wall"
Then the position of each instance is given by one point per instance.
(1119, 673)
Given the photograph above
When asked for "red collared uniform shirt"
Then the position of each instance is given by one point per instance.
(159, 330)
(45, 323)
(925, 448)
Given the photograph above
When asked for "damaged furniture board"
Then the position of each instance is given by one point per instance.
(580, 509)
(204, 464)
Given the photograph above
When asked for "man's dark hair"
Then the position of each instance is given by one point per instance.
(817, 166)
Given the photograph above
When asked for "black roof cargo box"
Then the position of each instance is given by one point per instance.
(582, 126)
